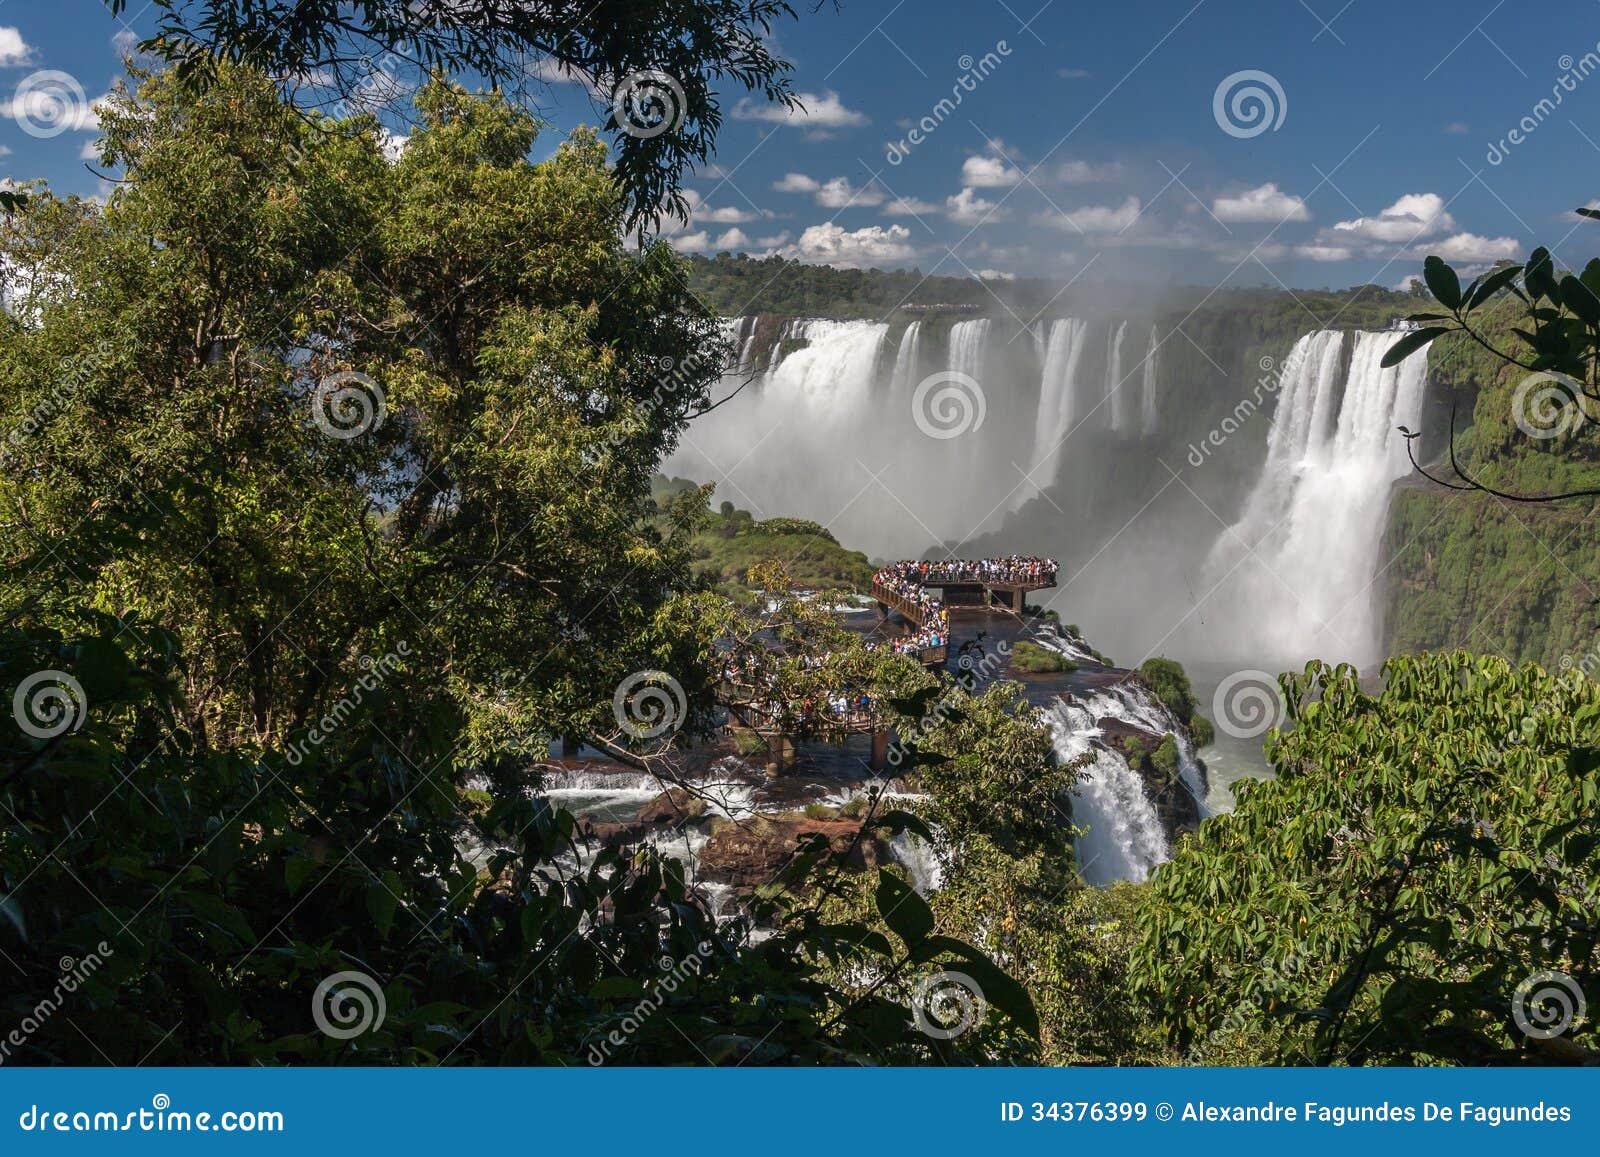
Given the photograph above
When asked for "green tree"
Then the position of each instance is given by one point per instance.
(328, 495)
(658, 63)
(1422, 853)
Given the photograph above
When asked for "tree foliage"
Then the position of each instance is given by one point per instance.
(326, 509)
(657, 64)
(1423, 851)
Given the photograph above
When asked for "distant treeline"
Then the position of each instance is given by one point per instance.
(736, 285)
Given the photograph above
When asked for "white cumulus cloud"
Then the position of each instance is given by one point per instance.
(1414, 216)
(839, 193)
(986, 172)
(797, 183)
(968, 207)
(13, 49)
(830, 244)
(819, 111)
(1469, 247)
(1097, 218)
(1323, 252)
(1263, 203)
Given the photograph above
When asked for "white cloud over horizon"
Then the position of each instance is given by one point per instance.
(1265, 203)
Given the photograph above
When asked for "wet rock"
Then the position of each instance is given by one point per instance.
(748, 853)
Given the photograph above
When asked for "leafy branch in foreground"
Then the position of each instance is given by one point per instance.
(656, 63)
(1558, 344)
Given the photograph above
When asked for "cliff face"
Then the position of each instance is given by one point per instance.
(1468, 569)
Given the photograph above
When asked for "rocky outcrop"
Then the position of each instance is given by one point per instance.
(751, 852)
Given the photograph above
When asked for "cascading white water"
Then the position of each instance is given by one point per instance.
(838, 433)
(1123, 838)
(1059, 404)
(1150, 419)
(1117, 398)
(1293, 578)
(967, 341)
(904, 379)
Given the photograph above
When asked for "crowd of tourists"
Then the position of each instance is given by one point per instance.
(905, 576)
(910, 578)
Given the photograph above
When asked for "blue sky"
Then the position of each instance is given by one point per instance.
(1088, 140)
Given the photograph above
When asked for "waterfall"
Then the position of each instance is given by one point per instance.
(1293, 577)
(921, 859)
(832, 435)
(904, 380)
(1123, 838)
(1058, 404)
(967, 342)
(1116, 397)
(1150, 419)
